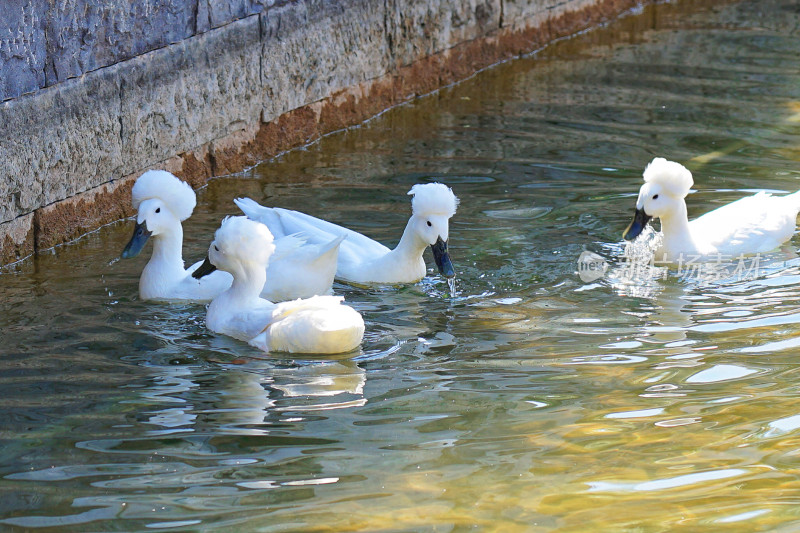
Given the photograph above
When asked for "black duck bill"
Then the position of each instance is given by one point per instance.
(137, 242)
(637, 225)
(442, 258)
(204, 269)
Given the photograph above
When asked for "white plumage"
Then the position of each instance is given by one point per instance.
(433, 199)
(753, 224)
(321, 324)
(363, 260)
(298, 269)
(163, 185)
(674, 178)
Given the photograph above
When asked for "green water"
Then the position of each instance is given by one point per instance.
(532, 400)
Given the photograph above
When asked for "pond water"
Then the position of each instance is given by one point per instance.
(530, 400)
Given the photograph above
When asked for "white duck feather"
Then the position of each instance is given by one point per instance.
(299, 269)
(364, 260)
(321, 324)
(750, 225)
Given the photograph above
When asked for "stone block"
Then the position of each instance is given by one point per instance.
(22, 47)
(316, 48)
(421, 28)
(85, 35)
(189, 94)
(59, 142)
(82, 213)
(16, 239)
(216, 13)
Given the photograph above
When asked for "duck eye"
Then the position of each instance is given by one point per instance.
(158, 209)
(655, 197)
(429, 223)
(215, 247)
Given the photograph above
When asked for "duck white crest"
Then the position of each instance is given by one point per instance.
(433, 199)
(177, 194)
(673, 177)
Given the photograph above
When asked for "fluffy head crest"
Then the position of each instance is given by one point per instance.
(176, 194)
(245, 239)
(673, 177)
(433, 199)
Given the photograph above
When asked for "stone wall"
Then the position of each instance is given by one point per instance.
(94, 93)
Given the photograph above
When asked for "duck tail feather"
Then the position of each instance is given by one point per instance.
(794, 198)
(266, 215)
(248, 205)
(333, 245)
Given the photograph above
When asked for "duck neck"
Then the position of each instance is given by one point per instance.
(675, 230)
(166, 263)
(405, 263)
(410, 247)
(246, 287)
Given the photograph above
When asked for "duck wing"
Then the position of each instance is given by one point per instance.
(242, 324)
(321, 324)
(354, 242)
(752, 224)
(300, 269)
(283, 222)
(266, 215)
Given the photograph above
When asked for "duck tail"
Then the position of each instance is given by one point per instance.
(248, 206)
(267, 216)
(794, 198)
(330, 251)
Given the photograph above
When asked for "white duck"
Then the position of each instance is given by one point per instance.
(750, 225)
(321, 324)
(363, 260)
(299, 270)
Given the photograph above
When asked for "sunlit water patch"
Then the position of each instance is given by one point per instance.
(528, 394)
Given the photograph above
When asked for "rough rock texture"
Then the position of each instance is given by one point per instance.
(96, 93)
(22, 47)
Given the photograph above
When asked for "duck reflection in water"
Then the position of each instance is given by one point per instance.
(248, 400)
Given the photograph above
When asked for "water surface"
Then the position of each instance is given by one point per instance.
(531, 400)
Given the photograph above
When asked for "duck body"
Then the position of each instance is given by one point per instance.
(753, 224)
(321, 324)
(750, 225)
(361, 259)
(364, 260)
(164, 277)
(299, 270)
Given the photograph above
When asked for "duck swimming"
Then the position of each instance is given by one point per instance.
(321, 324)
(298, 270)
(363, 260)
(750, 225)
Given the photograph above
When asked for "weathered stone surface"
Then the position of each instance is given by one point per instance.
(313, 49)
(43, 43)
(178, 98)
(421, 28)
(254, 80)
(22, 47)
(216, 13)
(81, 213)
(84, 35)
(16, 239)
(59, 142)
